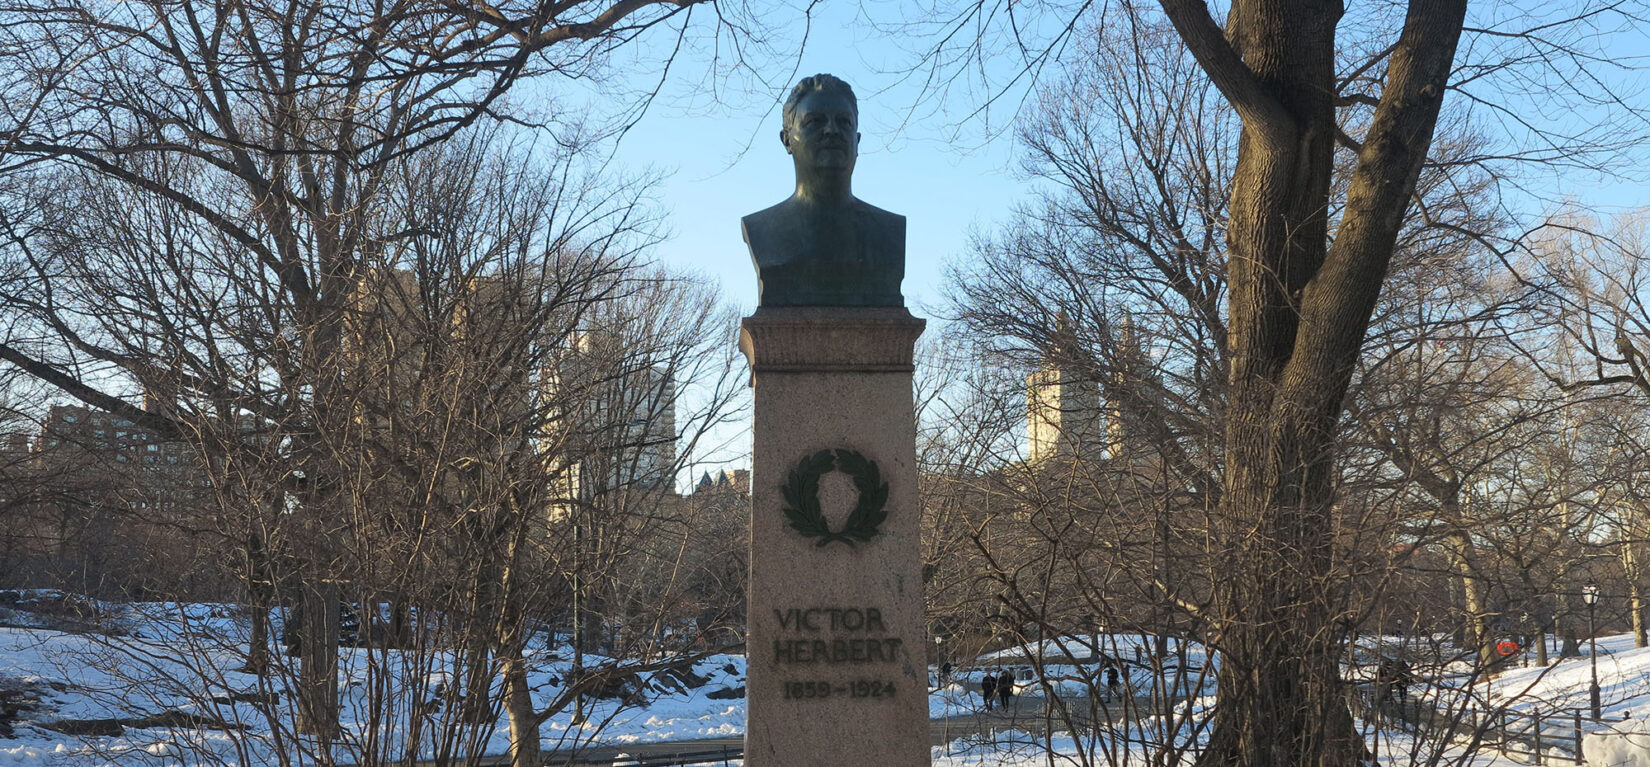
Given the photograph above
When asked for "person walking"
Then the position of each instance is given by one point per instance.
(1113, 683)
(1005, 688)
(988, 688)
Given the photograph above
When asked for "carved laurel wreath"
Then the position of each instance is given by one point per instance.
(802, 497)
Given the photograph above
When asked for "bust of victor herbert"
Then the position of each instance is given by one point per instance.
(822, 246)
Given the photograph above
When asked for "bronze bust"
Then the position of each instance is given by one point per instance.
(823, 246)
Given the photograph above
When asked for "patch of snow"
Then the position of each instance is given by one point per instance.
(1618, 744)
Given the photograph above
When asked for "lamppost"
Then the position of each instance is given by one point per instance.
(945, 692)
(939, 650)
(1589, 594)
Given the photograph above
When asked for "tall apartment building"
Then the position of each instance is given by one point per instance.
(139, 467)
(1068, 412)
(1064, 414)
(620, 412)
(605, 409)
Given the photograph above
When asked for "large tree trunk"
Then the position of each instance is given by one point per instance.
(1635, 596)
(318, 659)
(261, 595)
(1298, 311)
(1475, 606)
(1569, 647)
(1281, 635)
(1566, 621)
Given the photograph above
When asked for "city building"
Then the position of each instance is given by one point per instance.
(618, 413)
(132, 465)
(1074, 414)
(735, 482)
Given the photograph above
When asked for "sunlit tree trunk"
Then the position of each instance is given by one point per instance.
(1298, 311)
(1630, 571)
(1475, 608)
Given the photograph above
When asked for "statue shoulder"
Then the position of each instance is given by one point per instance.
(889, 226)
(762, 227)
(761, 222)
(882, 217)
(764, 233)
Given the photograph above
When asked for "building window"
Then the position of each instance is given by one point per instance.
(70, 419)
(154, 448)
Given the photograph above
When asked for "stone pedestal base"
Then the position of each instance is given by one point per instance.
(838, 673)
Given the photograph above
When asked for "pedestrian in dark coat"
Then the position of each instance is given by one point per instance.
(1112, 683)
(988, 689)
(1005, 687)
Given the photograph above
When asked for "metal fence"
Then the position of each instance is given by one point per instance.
(1552, 737)
(1532, 735)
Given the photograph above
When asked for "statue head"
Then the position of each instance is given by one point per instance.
(821, 120)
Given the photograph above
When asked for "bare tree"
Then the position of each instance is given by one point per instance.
(262, 155)
(470, 434)
(1281, 258)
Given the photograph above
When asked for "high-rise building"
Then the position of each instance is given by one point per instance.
(1063, 403)
(1063, 414)
(136, 465)
(736, 482)
(620, 412)
(1072, 413)
(602, 411)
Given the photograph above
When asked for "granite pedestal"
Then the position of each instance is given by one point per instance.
(838, 673)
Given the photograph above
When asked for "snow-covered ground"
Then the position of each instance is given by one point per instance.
(183, 660)
(180, 660)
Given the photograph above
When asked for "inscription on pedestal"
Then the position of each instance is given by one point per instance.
(834, 636)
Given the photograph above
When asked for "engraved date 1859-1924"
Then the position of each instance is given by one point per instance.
(858, 688)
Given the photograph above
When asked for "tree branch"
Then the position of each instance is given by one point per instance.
(1258, 108)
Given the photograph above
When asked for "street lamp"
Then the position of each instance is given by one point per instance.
(939, 650)
(1589, 594)
(945, 692)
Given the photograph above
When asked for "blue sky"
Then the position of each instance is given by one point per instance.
(717, 139)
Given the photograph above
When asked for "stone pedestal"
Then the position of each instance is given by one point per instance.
(838, 673)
